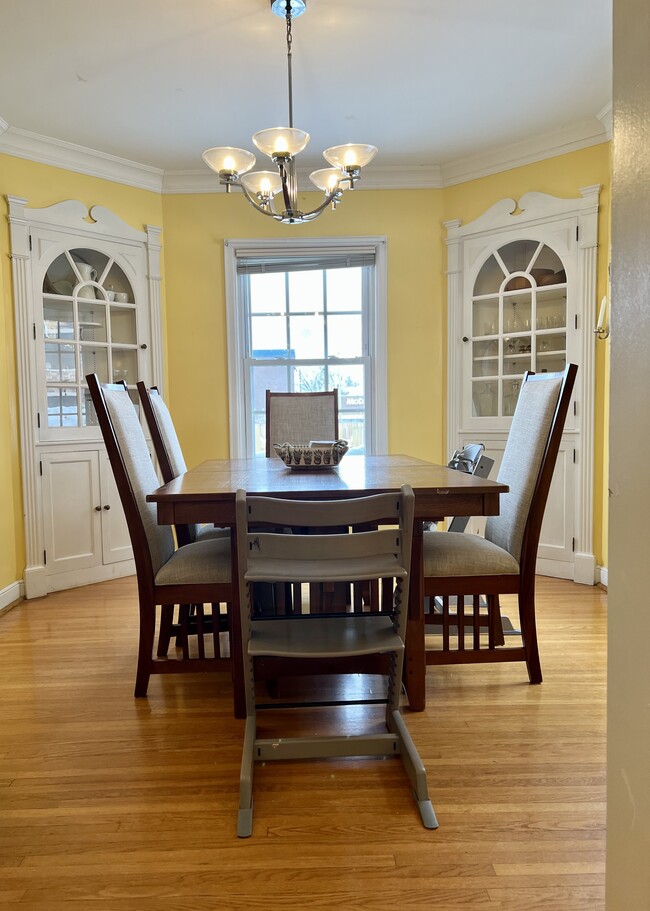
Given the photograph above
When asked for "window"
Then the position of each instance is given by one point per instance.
(304, 318)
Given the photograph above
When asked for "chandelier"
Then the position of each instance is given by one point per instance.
(282, 144)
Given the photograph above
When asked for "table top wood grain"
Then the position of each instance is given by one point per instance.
(206, 493)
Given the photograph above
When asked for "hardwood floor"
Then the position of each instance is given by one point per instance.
(130, 805)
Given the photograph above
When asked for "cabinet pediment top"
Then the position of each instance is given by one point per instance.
(96, 220)
(506, 213)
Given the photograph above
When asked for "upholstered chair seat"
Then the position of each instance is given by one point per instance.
(458, 554)
(205, 561)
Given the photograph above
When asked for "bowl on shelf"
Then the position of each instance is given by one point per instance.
(555, 278)
(317, 454)
(518, 283)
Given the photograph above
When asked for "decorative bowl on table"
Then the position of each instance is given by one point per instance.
(318, 454)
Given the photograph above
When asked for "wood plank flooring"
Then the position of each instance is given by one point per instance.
(113, 803)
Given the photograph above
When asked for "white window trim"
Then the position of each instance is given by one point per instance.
(236, 331)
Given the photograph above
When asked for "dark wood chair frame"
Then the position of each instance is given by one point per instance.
(521, 584)
(150, 594)
(191, 617)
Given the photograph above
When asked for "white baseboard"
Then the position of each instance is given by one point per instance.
(558, 569)
(57, 582)
(603, 575)
(582, 569)
(10, 594)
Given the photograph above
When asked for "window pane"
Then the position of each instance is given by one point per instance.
(306, 292)
(517, 255)
(267, 293)
(259, 434)
(62, 407)
(265, 377)
(308, 379)
(123, 325)
(60, 364)
(345, 336)
(352, 404)
(95, 360)
(344, 289)
(125, 365)
(116, 281)
(489, 279)
(307, 334)
(92, 322)
(268, 333)
(57, 319)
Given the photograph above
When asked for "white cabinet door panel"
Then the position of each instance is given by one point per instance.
(72, 522)
(116, 544)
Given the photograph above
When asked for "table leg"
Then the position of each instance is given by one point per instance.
(236, 658)
(415, 663)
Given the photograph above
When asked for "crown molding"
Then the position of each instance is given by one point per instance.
(606, 117)
(60, 154)
(412, 177)
(577, 136)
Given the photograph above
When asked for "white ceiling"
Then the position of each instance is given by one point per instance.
(430, 82)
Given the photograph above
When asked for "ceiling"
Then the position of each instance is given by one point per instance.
(430, 82)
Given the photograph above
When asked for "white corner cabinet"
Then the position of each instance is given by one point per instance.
(87, 300)
(522, 296)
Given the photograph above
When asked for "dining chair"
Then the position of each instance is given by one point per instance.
(299, 417)
(382, 554)
(172, 464)
(170, 456)
(460, 568)
(196, 573)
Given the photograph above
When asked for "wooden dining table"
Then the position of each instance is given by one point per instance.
(206, 494)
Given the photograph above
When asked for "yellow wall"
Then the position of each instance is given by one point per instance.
(42, 186)
(194, 228)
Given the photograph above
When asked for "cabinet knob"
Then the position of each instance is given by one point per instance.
(144, 347)
(98, 509)
(107, 507)
(465, 339)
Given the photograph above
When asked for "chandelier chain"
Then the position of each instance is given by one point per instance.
(289, 73)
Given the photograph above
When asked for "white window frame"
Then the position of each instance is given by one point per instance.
(236, 331)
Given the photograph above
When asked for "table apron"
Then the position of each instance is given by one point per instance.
(428, 505)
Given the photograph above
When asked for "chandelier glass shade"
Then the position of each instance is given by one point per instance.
(282, 144)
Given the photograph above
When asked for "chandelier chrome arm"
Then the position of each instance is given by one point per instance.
(264, 205)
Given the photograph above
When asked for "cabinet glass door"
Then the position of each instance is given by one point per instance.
(518, 323)
(89, 326)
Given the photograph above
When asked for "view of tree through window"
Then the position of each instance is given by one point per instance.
(307, 331)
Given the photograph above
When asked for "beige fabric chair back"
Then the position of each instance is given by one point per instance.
(167, 447)
(522, 458)
(140, 472)
(168, 433)
(298, 417)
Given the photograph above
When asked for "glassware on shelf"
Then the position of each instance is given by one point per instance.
(484, 396)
